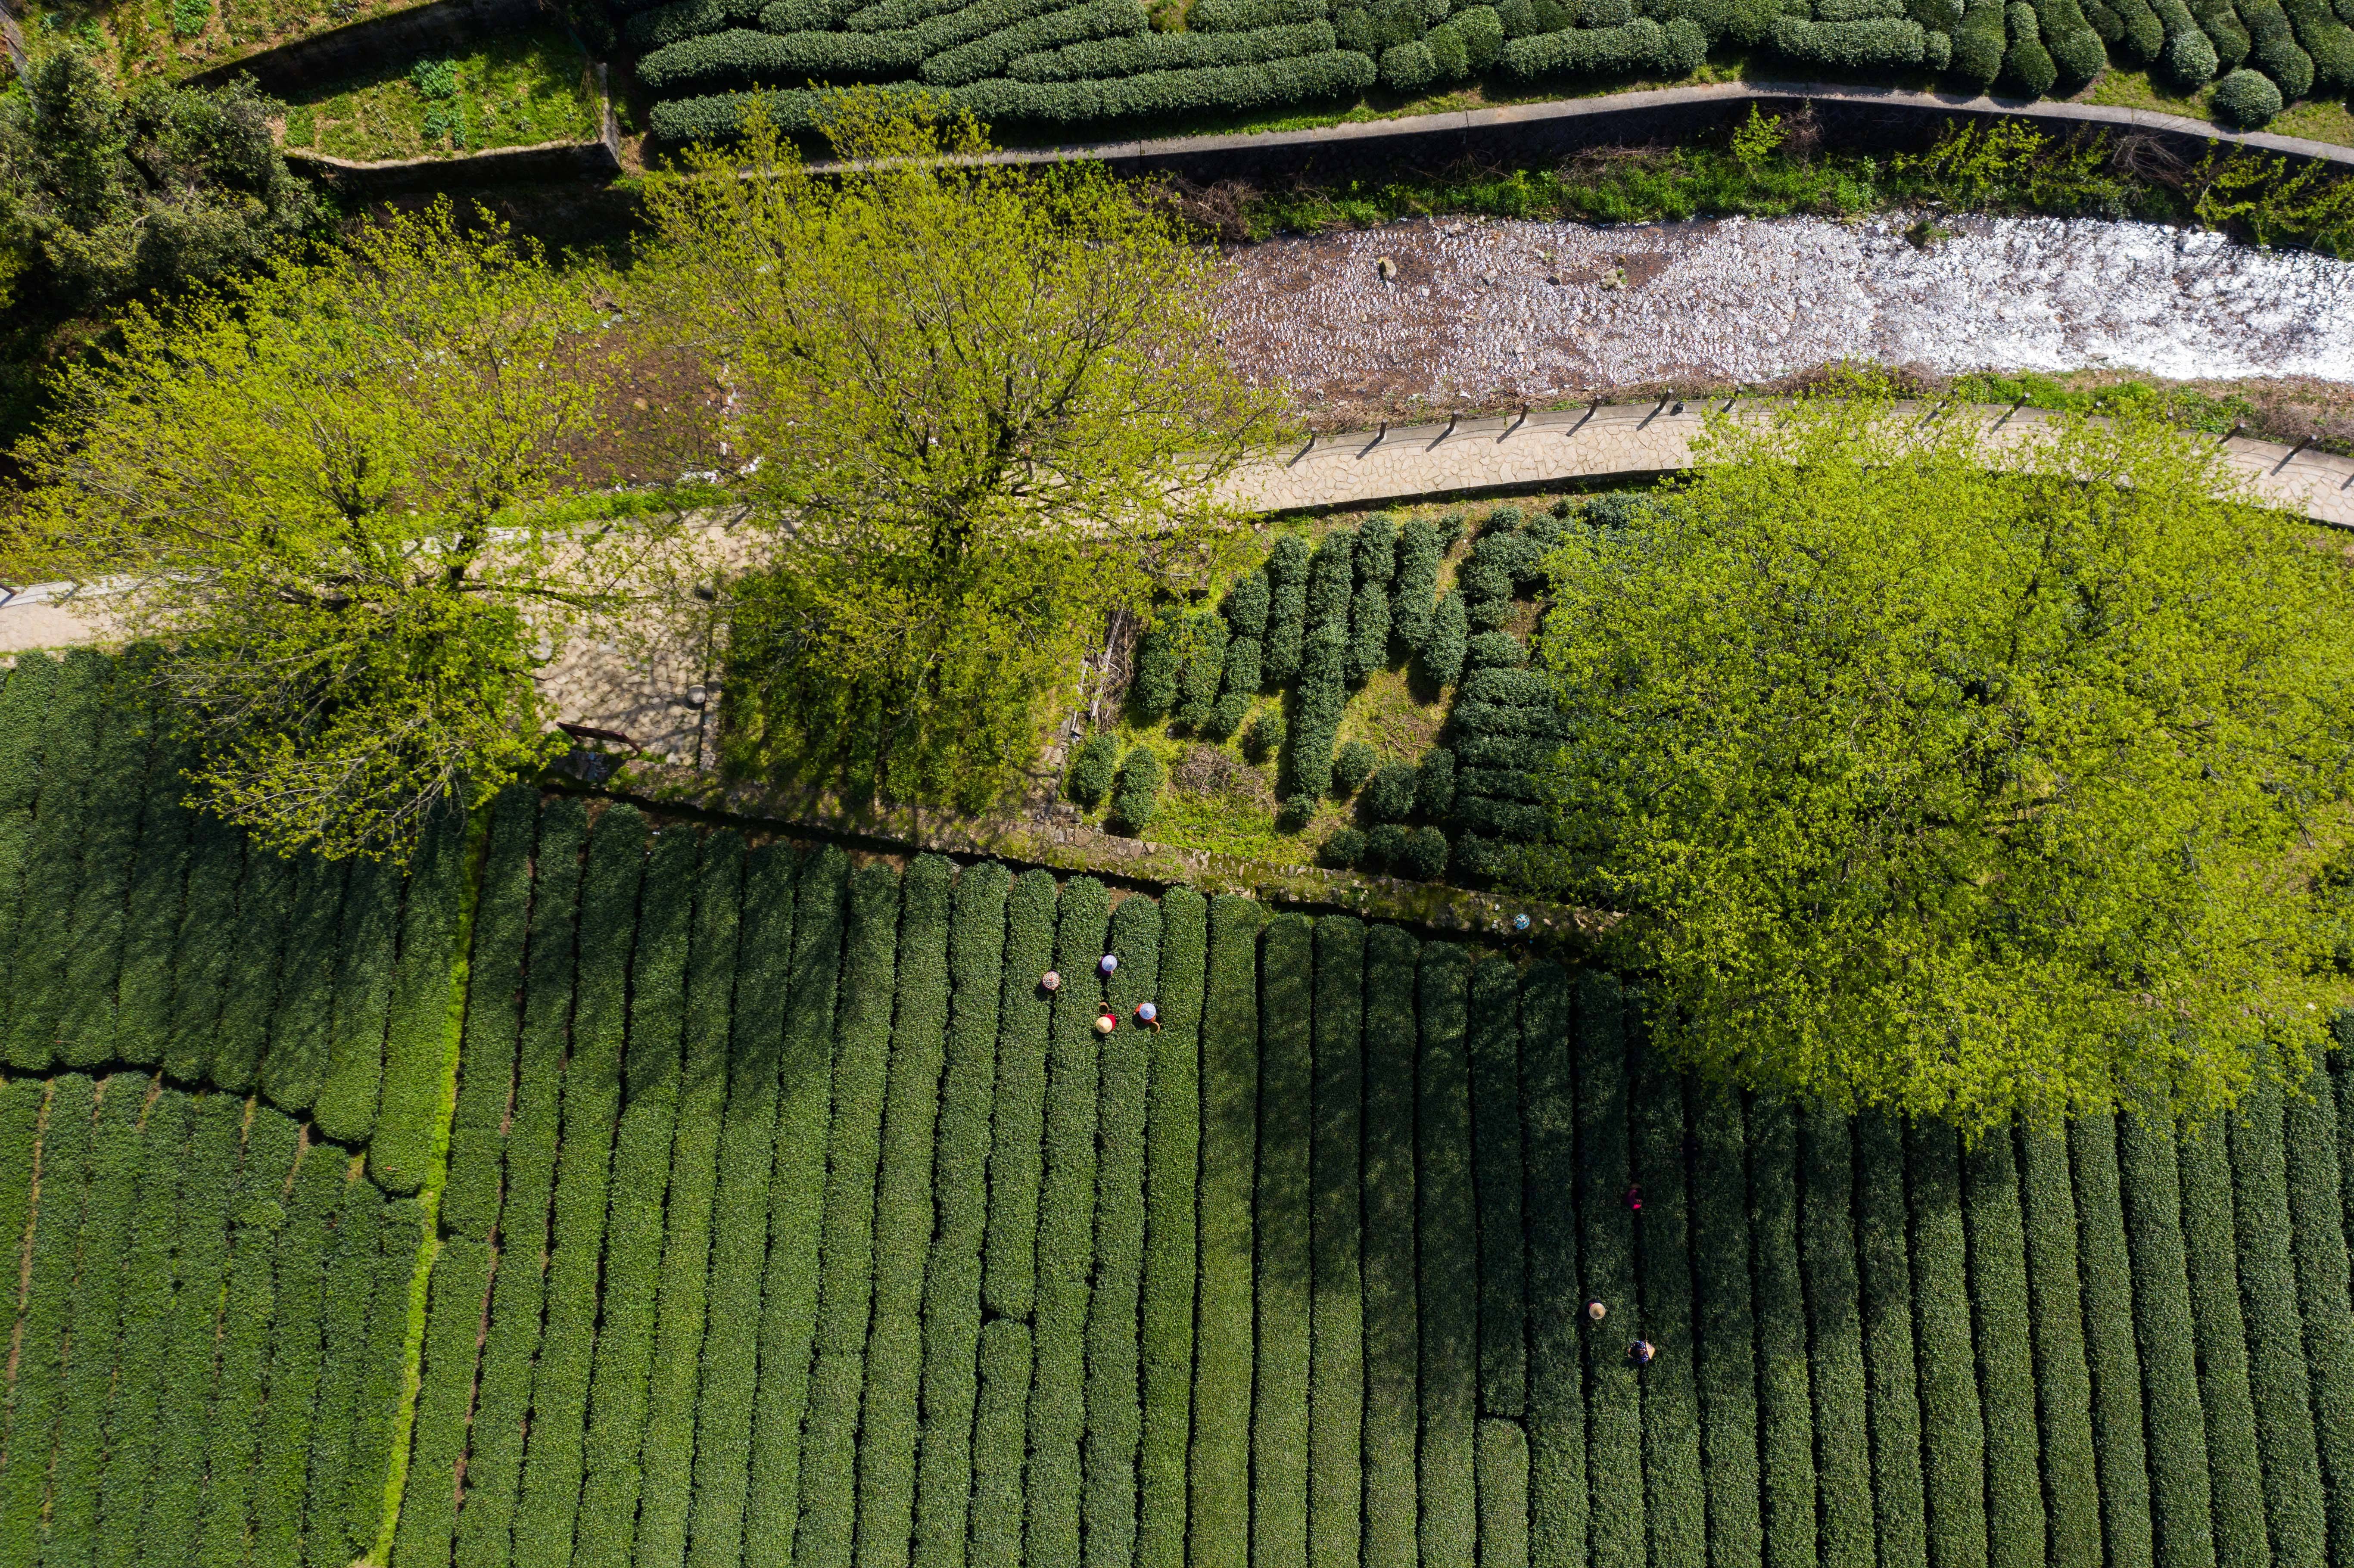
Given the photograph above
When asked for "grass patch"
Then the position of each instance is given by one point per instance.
(516, 92)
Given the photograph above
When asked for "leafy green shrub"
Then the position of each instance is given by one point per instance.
(421, 1042)
(1222, 1393)
(1138, 795)
(1173, 1152)
(1953, 1444)
(1241, 16)
(1147, 51)
(2027, 62)
(1449, 529)
(2063, 1385)
(2006, 1341)
(1447, 1229)
(998, 1437)
(1353, 767)
(1557, 1492)
(1479, 32)
(1492, 1043)
(651, 1072)
(1248, 603)
(105, 1222)
(210, 934)
(1392, 1315)
(1450, 61)
(1343, 850)
(1240, 680)
(1227, 714)
(2315, 1195)
(2189, 57)
(2274, 51)
(298, 1311)
(1295, 812)
(2225, 31)
(1494, 651)
(1408, 67)
(1641, 45)
(1885, 43)
(1786, 1443)
(486, 1067)
(1204, 669)
(1885, 1279)
(652, 28)
(460, 1281)
(1384, 846)
(2278, 1377)
(85, 1013)
(989, 56)
(376, 1408)
(23, 729)
(1424, 859)
(2177, 1453)
(1419, 554)
(1091, 770)
(742, 56)
(1434, 782)
(362, 982)
(1152, 690)
(1263, 738)
(1286, 623)
(1499, 784)
(2246, 99)
(1322, 699)
(1336, 1323)
(1369, 615)
(1443, 651)
(36, 989)
(2077, 48)
(1389, 796)
(1614, 1457)
(1827, 1251)
(1983, 37)
(1009, 1278)
(1304, 79)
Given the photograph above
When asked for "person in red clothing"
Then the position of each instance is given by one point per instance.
(1148, 1016)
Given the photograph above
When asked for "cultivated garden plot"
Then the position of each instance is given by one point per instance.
(788, 1214)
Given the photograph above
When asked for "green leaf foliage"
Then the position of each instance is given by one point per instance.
(1172, 1138)
(1826, 1252)
(1281, 1212)
(1219, 1476)
(1614, 1456)
(2177, 1451)
(2105, 1260)
(1392, 1320)
(1557, 1486)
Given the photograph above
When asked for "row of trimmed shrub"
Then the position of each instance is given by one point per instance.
(1147, 51)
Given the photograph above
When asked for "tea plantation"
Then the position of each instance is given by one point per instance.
(767, 1208)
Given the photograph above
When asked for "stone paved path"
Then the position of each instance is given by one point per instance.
(638, 686)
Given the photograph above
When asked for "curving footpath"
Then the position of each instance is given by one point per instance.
(1503, 122)
(1639, 440)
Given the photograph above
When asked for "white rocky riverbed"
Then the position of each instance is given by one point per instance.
(1500, 311)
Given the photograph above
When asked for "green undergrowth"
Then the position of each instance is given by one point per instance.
(2001, 168)
(513, 92)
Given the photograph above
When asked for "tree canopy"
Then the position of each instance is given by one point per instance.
(317, 486)
(1958, 792)
(980, 406)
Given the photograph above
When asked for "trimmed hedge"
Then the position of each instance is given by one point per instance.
(1419, 554)
(1885, 1269)
(1493, 1043)
(681, 1296)
(960, 1183)
(1092, 769)
(1137, 53)
(1219, 1517)
(297, 1336)
(1283, 1265)
(2026, 61)
(1448, 1220)
(50, 860)
(1953, 1428)
(997, 1442)
(1152, 683)
(95, 1321)
(143, 1342)
(1672, 1448)
(2277, 1373)
(2317, 1209)
(1287, 615)
(1335, 73)
(1556, 1424)
(2006, 1347)
(2235, 1473)
(24, 728)
(1204, 670)
(990, 56)
(1434, 782)
(350, 1296)
(890, 1412)
(1827, 1253)
(519, 1289)
(2109, 1352)
(365, 954)
(1336, 1401)
(1786, 1424)
(1614, 1425)
(486, 1066)
(542, 1532)
(652, 1079)
(1172, 1137)
(658, 24)
(1321, 698)
(2246, 99)
(1067, 1202)
(1239, 16)
(1114, 1417)
(2063, 1388)
(1369, 612)
(2169, 1372)
(243, 1347)
(201, 1264)
(1010, 1278)
(1726, 1335)
(861, 1053)
(1641, 45)
(85, 1019)
(420, 1045)
(43, 1315)
(210, 935)
(1392, 1315)
(378, 1407)
(797, 1201)
(2273, 50)
(285, 1020)
(1136, 798)
(459, 1284)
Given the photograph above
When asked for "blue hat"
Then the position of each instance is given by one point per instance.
(1147, 1012)
(1109, 963)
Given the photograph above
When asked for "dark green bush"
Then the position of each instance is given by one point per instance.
(1451, 60)
(1443, 651)
(1226, 714)
(1639, 45)
(2246, 99)
(1425, 858)
(651, 29)
(1982, 39)
(1247, 605)
(1147, 51)
(1419, 554)
(1879, 44)
(1389, 796)
(1481, 33)
(1497, 784)
(1137, 796)
(2274, 51)
(2224, 30)
(1385, 845)
(1353, 767)
(1295, 812)
(1264, 737)
(1434, 782)
(1172, 1162)
(1242, 674)
(2327, 40)
(1322, 696)
(2027, 63)
(1369, 614)
(1205, 668)
(1449, 529)
(1494, 651)
(742, 56)
(1342, 850)
(1091, 770)
(2141, 33)
(1339, 73)
(1407, 69)
(1153, 688)
(2077, 48)
(990, 56)
(1242, 15)
(1286, 622)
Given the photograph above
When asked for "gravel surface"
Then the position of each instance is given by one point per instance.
(1493, 314)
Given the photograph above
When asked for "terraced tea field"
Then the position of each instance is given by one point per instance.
(787, 1217)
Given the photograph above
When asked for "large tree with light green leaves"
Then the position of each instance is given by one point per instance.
(982, 406)
(321, 488)
(1962, 792)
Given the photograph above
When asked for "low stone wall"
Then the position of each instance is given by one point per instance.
(368, 44)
